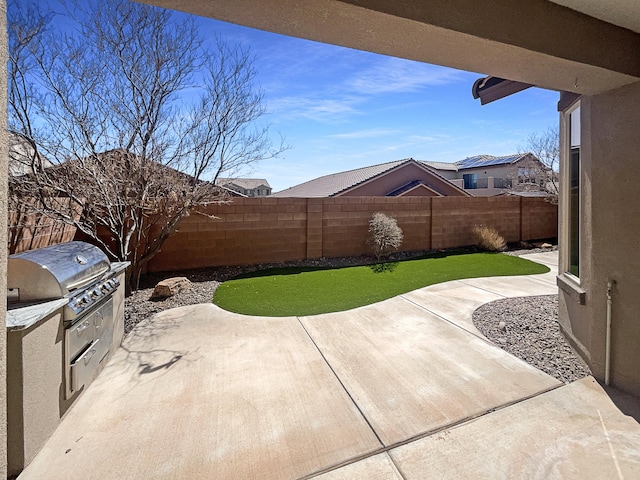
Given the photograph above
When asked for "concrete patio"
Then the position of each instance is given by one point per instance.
(402, 389)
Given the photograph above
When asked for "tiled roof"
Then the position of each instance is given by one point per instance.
(488, 160)
(440, 165)
(247, 183)
(330, 185)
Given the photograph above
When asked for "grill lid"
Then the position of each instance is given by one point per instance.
(52, 272)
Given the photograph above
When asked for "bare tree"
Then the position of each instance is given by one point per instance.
(137, 113)
(545, 147)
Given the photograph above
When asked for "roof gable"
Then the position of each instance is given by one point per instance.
(415, 187)
(424, 175)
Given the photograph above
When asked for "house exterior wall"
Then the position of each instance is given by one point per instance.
(610, 232)
(266, 230)
(4, 159)
(492, 178)
(450, 175)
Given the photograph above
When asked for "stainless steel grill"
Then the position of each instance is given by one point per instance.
(81, 273)
(76, 270)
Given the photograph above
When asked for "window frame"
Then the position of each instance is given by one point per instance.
(568, 228)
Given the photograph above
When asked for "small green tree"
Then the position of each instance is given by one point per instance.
(385, 234)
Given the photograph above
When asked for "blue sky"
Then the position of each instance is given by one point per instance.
(341, 109)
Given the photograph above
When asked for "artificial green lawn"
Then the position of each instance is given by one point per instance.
(308, 291)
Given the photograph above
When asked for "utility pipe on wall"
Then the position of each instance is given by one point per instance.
(607, 360)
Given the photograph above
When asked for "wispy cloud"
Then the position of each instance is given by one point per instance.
(430, 138)
(312, 107)
(328, 84)
(395, 75)
(368, 133)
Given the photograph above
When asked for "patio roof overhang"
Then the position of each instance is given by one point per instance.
(489, 89)
(558, 48)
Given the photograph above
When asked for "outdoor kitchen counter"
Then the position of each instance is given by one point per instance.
(23, 316)
(40, 359)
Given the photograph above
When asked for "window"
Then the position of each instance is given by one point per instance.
(470, 181)
(573, 173)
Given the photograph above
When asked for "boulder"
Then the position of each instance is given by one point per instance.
(170, 286)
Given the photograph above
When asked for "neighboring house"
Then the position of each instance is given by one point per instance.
(480, 176)
(401, 178)
(22, 156)
(486, 175)
(247, 187)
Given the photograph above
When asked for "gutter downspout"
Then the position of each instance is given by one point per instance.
(607, 361)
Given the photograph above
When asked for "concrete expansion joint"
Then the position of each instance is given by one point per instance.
(428, 433)
(482, 288)
(422, 307)
(335, 374)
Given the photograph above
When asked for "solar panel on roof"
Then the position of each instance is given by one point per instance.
(486, 161)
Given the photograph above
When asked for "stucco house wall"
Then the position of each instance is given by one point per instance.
(610, 236)
(4, 160)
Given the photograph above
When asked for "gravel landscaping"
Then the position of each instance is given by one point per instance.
(527, 327)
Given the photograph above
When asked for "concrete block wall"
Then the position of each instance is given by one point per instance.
(245, 231)
(345, 223)
(454, 218)
(265, 230)
(539, 218)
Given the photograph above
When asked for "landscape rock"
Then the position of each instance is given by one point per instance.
(170, 287)
(533, 334)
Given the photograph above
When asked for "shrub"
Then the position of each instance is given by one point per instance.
(488, 238)
(385, 234)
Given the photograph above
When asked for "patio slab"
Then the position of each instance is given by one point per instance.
(377, 467)
(203, 393)
(411, 372)
(550, 259)
(454, 301)
(573, 432)
(523, 286)
(388, 391)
